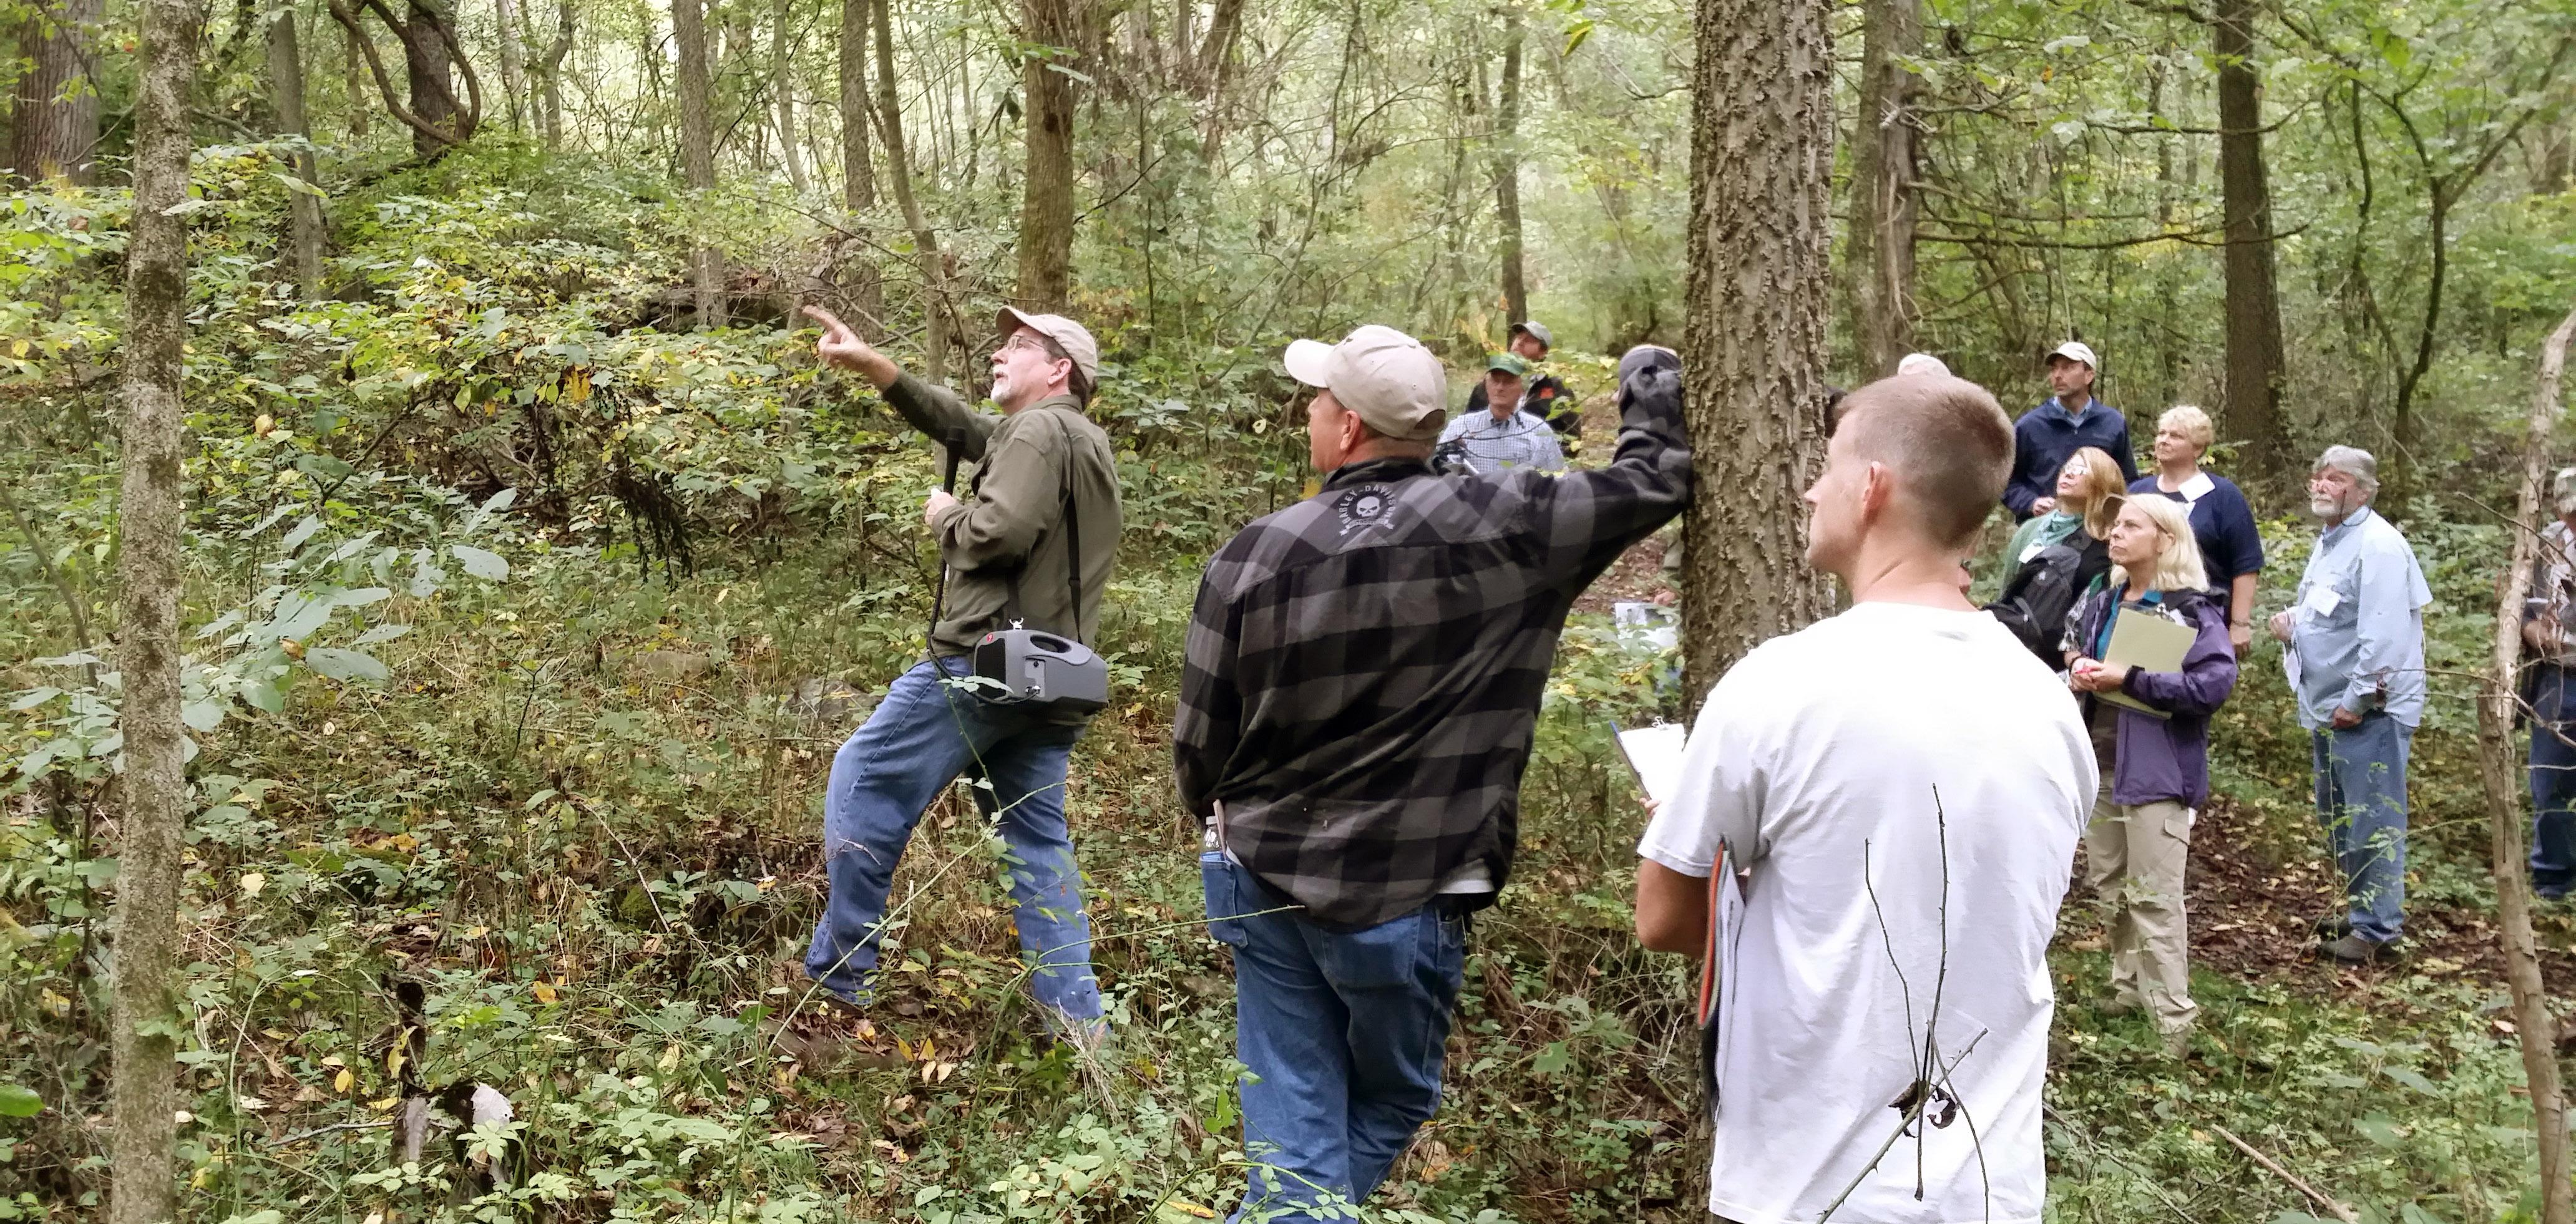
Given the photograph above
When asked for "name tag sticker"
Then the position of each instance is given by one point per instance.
(2323, 600)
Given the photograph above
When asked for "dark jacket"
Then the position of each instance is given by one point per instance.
(2222, 523)
(2159, 759)
(2045, 436)
(1545, 398)
(2043, 590)
(1010, 529)
(1362, 677)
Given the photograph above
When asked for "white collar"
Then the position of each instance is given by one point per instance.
(2197, 487)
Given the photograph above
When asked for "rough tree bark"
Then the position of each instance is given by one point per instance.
(303, 209)
(858, 174)
(549, 72)
(2253, 305)
(54, 118)
(438, 119)
(2504, 793)
(782, 88)
(1884, 199)
(355, 65)
(1507, 171)
(514, 77)
(1753, 347)
(1046, 200)
(698, 150)
(925, 241)
(144, 1088)
(429, 72)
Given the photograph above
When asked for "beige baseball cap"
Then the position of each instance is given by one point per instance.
(1395, 385)
(2075, 350)
(1068, 335)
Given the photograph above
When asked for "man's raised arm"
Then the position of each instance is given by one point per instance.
(935, 411)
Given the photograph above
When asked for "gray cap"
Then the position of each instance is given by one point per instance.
(1068, 335)
(1536, 329)
(1395, 385)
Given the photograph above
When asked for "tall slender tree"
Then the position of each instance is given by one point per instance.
(782, 89)
(143, 1035)
(1753, 347)
(698, 150)
(925, 240)
(304, 204)
(2253, 302)
(858, 173)
(506, 22)
(1046, 201)
(55, 113)
(1507, 170)
(1885, 201)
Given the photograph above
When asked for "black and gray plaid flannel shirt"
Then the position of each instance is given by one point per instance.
(1364, 668)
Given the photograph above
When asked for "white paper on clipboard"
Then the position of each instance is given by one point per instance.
(1655, 755)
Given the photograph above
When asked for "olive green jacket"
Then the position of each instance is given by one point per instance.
(1010, 526)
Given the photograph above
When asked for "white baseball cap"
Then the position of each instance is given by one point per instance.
(2076, 350)
(1068, 335)
(1395, 385)
(1926, 363)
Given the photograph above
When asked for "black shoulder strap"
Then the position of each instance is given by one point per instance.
(1072, 555)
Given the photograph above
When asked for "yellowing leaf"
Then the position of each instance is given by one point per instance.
(344, 1081)
(545, 992)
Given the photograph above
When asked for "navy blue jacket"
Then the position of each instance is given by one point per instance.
(2223, 524)
(2045, 436)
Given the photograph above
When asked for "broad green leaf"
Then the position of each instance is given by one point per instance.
(381, 633)
(202, 716)
(18, 1101)
(346, 664)
(480, 562)
(301, 532)
(35, 697)
(262, 695)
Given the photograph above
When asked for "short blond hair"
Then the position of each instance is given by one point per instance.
(1946, 439)
(2178, 566)
(2194, 424)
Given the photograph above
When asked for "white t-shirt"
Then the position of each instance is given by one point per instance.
(1817, 750)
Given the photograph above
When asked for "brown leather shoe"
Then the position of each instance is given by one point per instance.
(2355, 950)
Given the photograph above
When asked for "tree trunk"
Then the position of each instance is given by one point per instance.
(303, 208)
(858, 173)
(142, 1033)
(1507, 172)
(925, 241)
(2535, 1027)
(2253, 307)
(430, 74)
(1046, 200)
(1884, 201)
(698, 150)
(356, 65)
(549, 70)
(782, 87)
(514, 76)
(55, 115)
(1753, 349)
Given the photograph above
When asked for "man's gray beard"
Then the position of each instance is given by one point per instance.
(2324, 509)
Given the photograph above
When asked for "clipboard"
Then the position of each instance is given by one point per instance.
(1654, 756)
(2149, 643)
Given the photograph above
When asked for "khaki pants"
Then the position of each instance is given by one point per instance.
(2133, 863)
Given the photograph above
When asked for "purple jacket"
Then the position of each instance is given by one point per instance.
(2158, 759)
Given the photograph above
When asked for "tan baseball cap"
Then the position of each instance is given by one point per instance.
(2075, 350)
(1395, 385)
(1068, 335)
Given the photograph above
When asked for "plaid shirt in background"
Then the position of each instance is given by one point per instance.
(1364, 668)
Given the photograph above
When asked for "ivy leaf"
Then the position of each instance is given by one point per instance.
(346, 665)
(479, 562)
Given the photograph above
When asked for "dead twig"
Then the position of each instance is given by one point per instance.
(2332, 1207)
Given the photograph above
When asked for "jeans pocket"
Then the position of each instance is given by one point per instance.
(1216, 879)
(1392, 953)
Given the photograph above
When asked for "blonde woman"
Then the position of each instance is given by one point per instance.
(2155, 766)
(2053, 557)
(2231, 550)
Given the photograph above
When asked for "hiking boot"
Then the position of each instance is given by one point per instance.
(2124, 1005)
(2177, 1043)
(2355, 950)
(2333, 927)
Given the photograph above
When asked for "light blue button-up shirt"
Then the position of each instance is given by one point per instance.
(2357, 629)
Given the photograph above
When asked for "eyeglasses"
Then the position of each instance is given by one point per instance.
(1023, 340)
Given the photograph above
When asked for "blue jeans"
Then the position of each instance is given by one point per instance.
(1345, 1032)
(924, 735)
(2361, 800)
(2553, 784)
